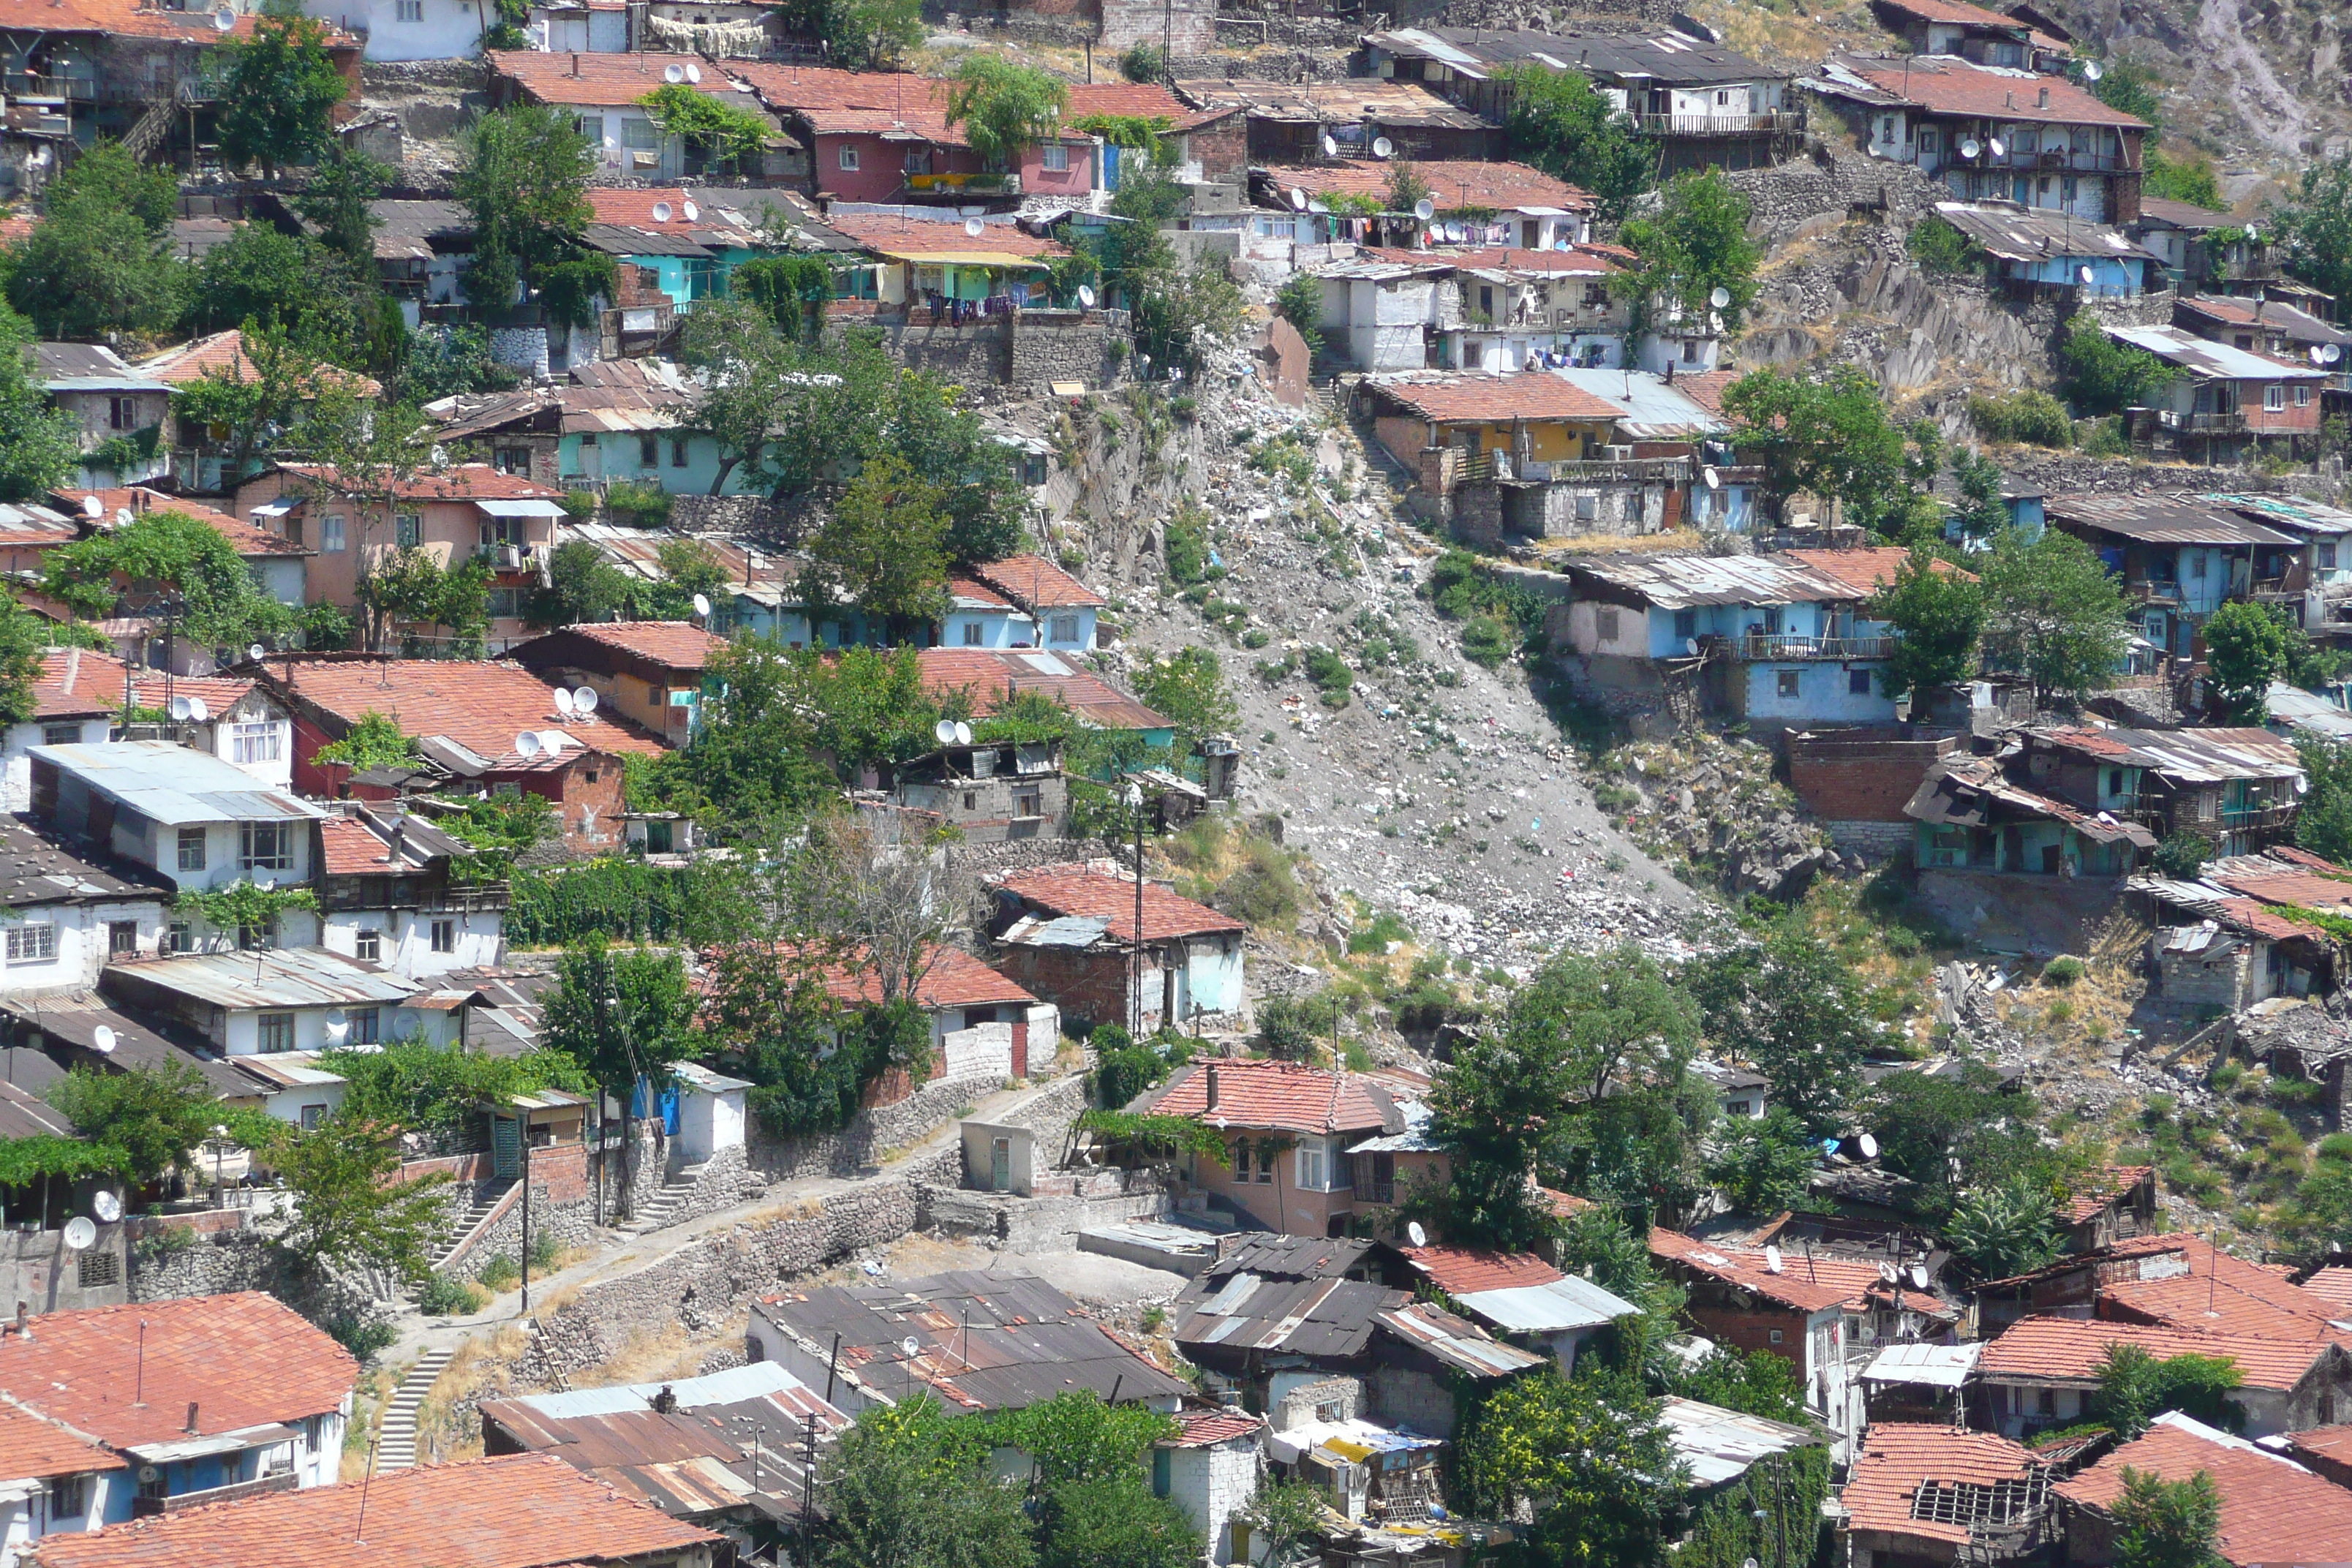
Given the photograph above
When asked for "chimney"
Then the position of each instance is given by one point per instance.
(665, 1400)
(2007, 100)
(192, 1417)
(24, 1320)
(2043, 101)
(575, 65)
(1212, 1086)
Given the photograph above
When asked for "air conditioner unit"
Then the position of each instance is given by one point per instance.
(1616, 454)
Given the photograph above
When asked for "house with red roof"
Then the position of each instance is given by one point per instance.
(198, 462)
(76, 699)
(875, 136)
(2173, 1280)
(279, 562)
(604, 93)
(1288, 1128)
(988, 678)
(1107, 949)
(2042, 1372)
(649, 672)
(2274, 1510)
(388, 894)
(2108, 1205)
(1921, 1496)
(1516, 1296)
(1210, 1470)
(983, 1023)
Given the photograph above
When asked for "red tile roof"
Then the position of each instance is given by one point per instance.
(1031, 580)
(840, 102)
(1465, 1270)
(676, 645)
(2073, 1350)
(1865, 571)
(225, 352)
(610, 80)
(2272, 1510)
(131, 18)
(1945, 84)
(465, 482)
(80, 1368)
(523, 1510)
(1285, 1096)
(481, 704)
(2096, 1189)
(243, 537)
(1453, 182)
(2219, 1294)
(1141, 101)
(1808, 1284)
(77, 683)
(991, 677)
(15, 226)
(1706, 387)
(1199, 1428)
(2332, 1443)
(1898, 1459)
(918, 236)
(1482, 399)
(961, 587)
(220, 692)
(955, 979)
(348, 849)
(1954, 11)
(1562, 1206)
(1167, 916)
(2332, 1284)
(32, 1448)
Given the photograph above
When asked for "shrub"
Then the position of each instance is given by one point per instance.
(2062, 972)
(545, 1248)
(1331, 676)
(443, 1297)
(1187, 535)
(1265, 890)
(1144, 62)
(1940, 248)
(2025, 415)
(2183, 854)
(1487, 639)
(499, 1273)
(364, 1334)
(636, 505)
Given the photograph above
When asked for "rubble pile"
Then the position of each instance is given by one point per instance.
(1713, 803)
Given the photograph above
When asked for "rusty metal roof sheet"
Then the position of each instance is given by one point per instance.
(2159, 519)
(1683, 581)
(1961, 794)
(274, 977)
(1459, 1343)
(2189, 756)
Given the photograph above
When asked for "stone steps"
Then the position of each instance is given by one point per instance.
(395, 1442)
(467, 1221)
(665, 1201)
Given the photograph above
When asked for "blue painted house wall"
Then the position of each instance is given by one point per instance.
(621, 455)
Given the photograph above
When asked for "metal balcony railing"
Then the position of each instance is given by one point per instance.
(1787, 646)
(1788, 120)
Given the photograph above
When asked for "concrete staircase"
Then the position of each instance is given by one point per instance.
(464, 1222)
(658, 1208)
(395, 1442)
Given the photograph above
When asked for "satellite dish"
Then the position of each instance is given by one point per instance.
(2318, 355)
(224, 20)
(197, 711)
(691, 212)
(661, 212)
(974, 228)
(583, 700)
(1713, 480)
(1086, 296)
(150, 1473)
(1690, 646)
(1414, 1234)
(2252, 234)
(338, 1019)
(1970, 147)
(910, 1346)
(122, 517)
(2332, 352)
(673, 73)
(1886, 1272)
(1995, 147)
(2085, 274)
(1424, 209)
(1297, 199)
(1319, 205)
(944, 731)
(406, 1022)
(2092, 70)
(527, 743)
(92, 507)
(693, 72)
(1771, 1259)
(1868, 1145)
(563, 701)
(104, 1203)
(1455, 233)
(610, 145)
(1382, 147)
(1919, 1275)
(1720, 297)
(180, 709)
(702, 606)
(79, 1233)
(1331, 147)
(963, 733)
(255, 652)
(103, 1040)
(552, 741)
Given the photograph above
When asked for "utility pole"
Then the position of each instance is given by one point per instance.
(1135, 953)
(525, 1127)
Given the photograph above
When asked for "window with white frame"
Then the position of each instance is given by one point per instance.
(1056, 156)
(256, 743)
(266, 847)
(591, 126)
(2301, 397)
(275, 1032)
(368, 948)
(60, 734)
(1314, 1166)
(640, 135)
(330, 534)
(412, 10)
(29, 943)
(849, 159)
(445, 936)
(192, 849)
(2273, 399)
(69, 1497)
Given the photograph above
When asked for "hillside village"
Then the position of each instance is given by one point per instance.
(1125, 785)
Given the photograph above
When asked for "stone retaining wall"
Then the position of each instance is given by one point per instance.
(1833, 184)
(871, 1134)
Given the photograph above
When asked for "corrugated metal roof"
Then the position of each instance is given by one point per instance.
(2159, 519)
(2301, 709)
(2027, 234)
(1654, 409)
(275, 977)
(2207, 360)
(2287, 511)
(1662, 55)
(1459, 1344)
(1932, 1366)
(1720, 1444)
(2189, 756)
(1554, 1307)
(1684, 581)
(173, 784)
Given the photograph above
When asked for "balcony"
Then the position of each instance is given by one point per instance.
(1629, 470)
(1776, 646)
(2254, 818)
(1777, 120)
(72, 88)
(144, 1507)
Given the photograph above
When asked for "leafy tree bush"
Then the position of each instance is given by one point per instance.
(1756, 1383)
(1004, 107)
(1586, 1454)
(1187, 688)
(2167, 1524)
(2246, 649)
(2025, 415)
(2317, 226)
(1563, 126)
(223, 606)
(1143, 62)
(337, 200)
(2187, 180)
(522, 177)
(1832, 436)
(2183, 854)
(883, 550)
(1764, 1163)
(1297, 1029)
(412, 1085)
(733, 137)
(626, 899)
(2053, 613)
(858, 34)
(1299, 302)
(1923, 1123)
(39, 444)
(2135, 1388)
(280, 90)
(2104, 375)
(348, 1211)
(1695, 243)
(1793, 1006)
(2000, 1230)
(148, 1119)
(1941, 249)
(2131, 88)
(909, 1487)
(1937, 613)
(100, 261)
(1331, 675)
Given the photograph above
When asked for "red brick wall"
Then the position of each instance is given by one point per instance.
(1221, 149)
(1752, 1331)
(2300, 421)
(1091, 987)
(1851, 776)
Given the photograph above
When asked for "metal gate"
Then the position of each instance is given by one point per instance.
(506, 1147)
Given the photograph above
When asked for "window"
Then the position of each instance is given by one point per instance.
(1927, 140)
(1690, 351)
(255, 743)
(122, 413)
(1686, 625)
(312, 1115)
(2327, 556)
(408, 530)
(98, 1269)
(252, 939)
(268, 846)
(1056, 156)
(677, 452)
(640, 135)
(649, 451)
(368, 947)
(314, 1434)
(1787, 682)
(70, 1495)
(121, 937)
(1064, 629)
(2197, 563)
(2301, 397)
(1776, 1336)
(364, 1022)
(1241, 1159)
(2068, 189)
(971, 634)
(275, 1032)
(1266, 1155)
(60, 734)
(512, 460)
(1312, 1166)
(1857, 683)
(591, 126)
(330, 534)
(2115, 781)
(2273, 399)
(1029, 801)
(849, 159)
(445, 936)
(1722, 99)
(175, 937)
(32, 944)
(412, 10)
(1606, 625)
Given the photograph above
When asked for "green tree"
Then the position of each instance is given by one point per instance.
(2190, 180)
(154, 1117)
(408, 589)
(260, 400)
(623, 1016)
(244, 909)
(40, 445)
(281, 90)
(1004, 107)
(1284, 1520)
(1937, 613)
(375, 742)
(2003, 1229)
(2317, 226)
(171, 551)
(1406, 190)
(1940, 248)
(1587, 1454)
(1563, 126)
(2167, 1524)
(791, 289)
(858, 34)
(101, 262)
(582, 588)
(1925, 1125)
(2131, 88)
(1764, 1163)
(1115, 1524)
(906, 1487)
(522, 177)
(1143, 62)
(24, 638)
(722, 132)
(2246, 649)
(1795, 1007)
(2053, 613)
(1981, 512)
(1177, 309)
(1756, 1383)
(753, 373)
(348, 1212)
(1188, 690)
(883, 550)
(2135, 1388)
(1695, 243)
(1832, 436)
(337, 201)
(1299, 302)
(281, 282)
(2103, 374)
(2324, 825)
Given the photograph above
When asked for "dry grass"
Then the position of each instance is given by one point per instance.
(1681, 540)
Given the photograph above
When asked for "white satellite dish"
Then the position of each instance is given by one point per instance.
(92, 507)
(2318, 355)
(1720, 297)
(693, 72)
(103, 1040)
(691, 212)
(1424, 209)
(527, 743)
(2332, 352)
(122, 517)
(1457, 233)
(337, 1018)
(583, 700)
(1414, 1234)
(1996, 147)
(2085, 274)
(1297, 199)
(79, 1233)
(1886, 1272)
(180, 709)
(1919, 1275)
(2252, 234)
(1771, 1260)
(406, 1022)
(2092, 70)
(1690, 646)
(974, 228)
(1382, 147)
(1868, 1145)
(673, 73)
(944, 731)
(1086, 296)
(702, 606)
(552, 741)
(610, 145)
(1317, 205)
(963, 733)
(563, 701)
(1713, 480)
(661, 212)
(104, 1203)
(255, 652)
(1970, 147)
(911, 1347)
(1331, 147)
(224, 20)
(197, 711)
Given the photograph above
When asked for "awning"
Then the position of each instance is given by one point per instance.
(520, 508)
(200, 1447)
(968, 259)
(275, 508)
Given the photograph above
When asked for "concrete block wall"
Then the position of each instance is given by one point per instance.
(1061, 345)
(1863, 775)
